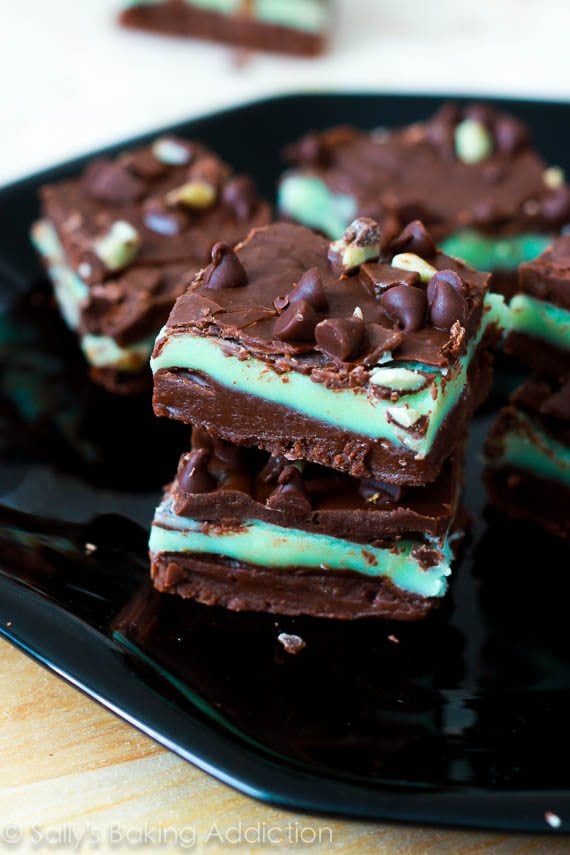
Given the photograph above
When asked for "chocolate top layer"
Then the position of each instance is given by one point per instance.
(179, 197)
(500, 185)
(548, 276)
(297, 313)
(225, 484)
(547, 401)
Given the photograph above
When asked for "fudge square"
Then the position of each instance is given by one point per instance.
(369, 359)
(117, 240)
(528, 455)
(298, 27)
(540, 313)
(247, 531)
(472, 175)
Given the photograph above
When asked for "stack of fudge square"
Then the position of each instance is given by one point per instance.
(328, 363)
(528, 449)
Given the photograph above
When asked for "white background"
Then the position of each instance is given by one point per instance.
(71, 80)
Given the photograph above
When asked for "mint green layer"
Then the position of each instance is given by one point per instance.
(261, 543)
(350, 409)
(70, 291)
(541, 320)
(488, 253)
(307, 15)
(308, 201)
(528, 447)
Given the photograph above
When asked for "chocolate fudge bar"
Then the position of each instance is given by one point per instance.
(298, 27)
(364, 357)
(528, 455)
(540, 313)
(247, 531)
(471, 174)
(117, 241)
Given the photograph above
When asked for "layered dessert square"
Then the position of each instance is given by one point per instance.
(472, 175)
(298, 27)
(365, 356)
(247, 531)
(540, 313)
(117, 240)
(528, 455)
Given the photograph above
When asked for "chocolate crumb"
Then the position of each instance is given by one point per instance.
(552, 819)
(292, 644)
(297, 323)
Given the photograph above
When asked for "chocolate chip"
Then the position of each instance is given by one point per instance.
(194, 476)
(297, 323)
(482, 113)
(555, 208)
(110, 182)
(144, 164)
(310, 150)
(290, 495)
(439, 131)
(226, 452)
(310, 288)
(272, 469)
(447, 303)
(510, 134)
(241, 197)
(341, 338)
(452, 278)
(407, 305)
(209, 169)
(159, 218)
(226, 270)
(414, 238)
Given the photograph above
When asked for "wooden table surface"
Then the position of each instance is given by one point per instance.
(68, 767)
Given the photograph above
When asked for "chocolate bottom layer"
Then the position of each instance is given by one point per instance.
(294, 591)
(246, 420)
(538, 355)
(179, 19)
(522, 495)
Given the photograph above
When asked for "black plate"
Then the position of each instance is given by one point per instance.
(463, 722)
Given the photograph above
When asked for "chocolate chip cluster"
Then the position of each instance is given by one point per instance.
(174, 181)
(212, 464)
(411, 293)
(475, 132)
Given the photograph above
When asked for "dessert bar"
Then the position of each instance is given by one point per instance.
(298, 27)
(117, 240)
(540, 313)
(365, 357)
(528, 455)
(247, 531)
(472, 175)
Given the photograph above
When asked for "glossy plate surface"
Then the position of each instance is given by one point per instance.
(462, 720)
